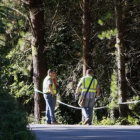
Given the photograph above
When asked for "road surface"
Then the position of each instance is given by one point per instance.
(77, 132)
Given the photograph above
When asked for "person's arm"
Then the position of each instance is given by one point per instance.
(78, 87)
(50, 83)
(51, 90)
(77, 93)
(98, 91)
(77, 90)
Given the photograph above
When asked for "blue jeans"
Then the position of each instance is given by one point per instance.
(50, 108)
(87, 110)
(87, 113)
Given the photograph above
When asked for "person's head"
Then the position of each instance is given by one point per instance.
(54, 75)
(50, 72)
(89, 72)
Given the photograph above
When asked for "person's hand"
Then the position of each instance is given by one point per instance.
(76, 96)
(53, 94)
(97, 98)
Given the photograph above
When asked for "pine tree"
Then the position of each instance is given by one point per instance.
(120, 57)
(36, 9)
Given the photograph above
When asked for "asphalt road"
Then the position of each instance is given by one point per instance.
(77, 132)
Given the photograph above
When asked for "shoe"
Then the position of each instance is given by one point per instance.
(48, 123)
(86, 121)
(55, 123)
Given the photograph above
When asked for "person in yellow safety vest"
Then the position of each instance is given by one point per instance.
(49, 90)
(87, 109)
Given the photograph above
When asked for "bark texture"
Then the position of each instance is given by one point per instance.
(120, 56)
(39, 66)
(86, 30)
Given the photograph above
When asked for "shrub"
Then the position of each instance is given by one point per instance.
(13, 121)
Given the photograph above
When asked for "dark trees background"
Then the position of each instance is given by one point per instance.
(37, 35)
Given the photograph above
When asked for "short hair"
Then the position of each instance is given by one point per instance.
(50, 71)
(89, 71)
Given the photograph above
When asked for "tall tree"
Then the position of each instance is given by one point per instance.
(86, 30)
(36, 9)
(120, 56)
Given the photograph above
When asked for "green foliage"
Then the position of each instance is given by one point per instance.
(63, 49)
(132, 120)
(30, 118)
(13, 122)
(43, 120)
(107, 121)
(100, 22)
(16, 56)
(67, 115)
(133, 106)
(106, 34)
(114, 91)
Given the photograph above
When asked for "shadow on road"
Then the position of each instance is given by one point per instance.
(91, 133)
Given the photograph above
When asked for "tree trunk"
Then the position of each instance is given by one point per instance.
(39, 67)
(120, 57)
(86, 30)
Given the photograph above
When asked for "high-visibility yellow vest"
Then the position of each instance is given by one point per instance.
(86, 82)
(54, 88)
(46, 88)
(80, 90)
